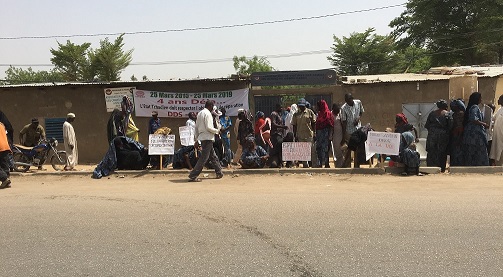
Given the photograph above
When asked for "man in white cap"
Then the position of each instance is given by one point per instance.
(70, 142)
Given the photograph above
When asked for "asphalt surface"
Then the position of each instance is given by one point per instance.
(253, 225)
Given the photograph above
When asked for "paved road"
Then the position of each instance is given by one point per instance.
(269, 225)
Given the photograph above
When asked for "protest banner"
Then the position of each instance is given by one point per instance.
(186, 135)
(296, 151)
(383, 143)
(113, 97)
(161, 144)
(176, 104)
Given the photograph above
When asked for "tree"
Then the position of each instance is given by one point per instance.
(20, 76)
(72, 61)
(363, 53)
(110, 60)
(82, 63)
(411, 60)
(246, 66)
(454, 31)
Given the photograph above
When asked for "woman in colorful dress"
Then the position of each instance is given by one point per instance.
(474, 135)
(324, 129)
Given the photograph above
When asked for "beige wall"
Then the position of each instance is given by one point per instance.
(20, 104)
(462, 87)
(381, 101)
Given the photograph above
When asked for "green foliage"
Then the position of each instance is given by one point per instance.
(411, 60)
(454, 31)
(110, 60)
(363, 53)
(17, 76)
(246, 66)
(82, 63)
(71, 60)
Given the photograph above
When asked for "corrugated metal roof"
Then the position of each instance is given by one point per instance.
(132, 83)
(436, 73)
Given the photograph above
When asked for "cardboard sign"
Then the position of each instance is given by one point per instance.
(161, 144)
(296, 151)
(186, 135)
(383, 143)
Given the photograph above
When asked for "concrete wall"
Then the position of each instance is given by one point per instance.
(20, 104)
(462, 87)
(491, 89)
(381, 101)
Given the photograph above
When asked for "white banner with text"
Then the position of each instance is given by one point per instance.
(179, 104)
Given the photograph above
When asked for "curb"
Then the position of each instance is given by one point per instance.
(399, 170)
(476, 169)
(265, 171)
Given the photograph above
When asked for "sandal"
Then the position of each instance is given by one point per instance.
(195, 180)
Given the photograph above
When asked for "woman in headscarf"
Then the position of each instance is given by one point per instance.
(289, 117)
(474, 136)
(245, 127)
(438, 124)
(324, 133)
(402, 125)
(456, 141)
(408, 154)
(253, 155)
(114, 125)
(497, 145)
(259, 124)
(128, 122)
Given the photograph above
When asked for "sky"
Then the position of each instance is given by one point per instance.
(22, 18)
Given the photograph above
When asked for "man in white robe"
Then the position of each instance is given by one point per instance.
(70, 143)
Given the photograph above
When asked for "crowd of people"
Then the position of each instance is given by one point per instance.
(469, 134)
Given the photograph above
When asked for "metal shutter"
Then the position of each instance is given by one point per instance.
(54, 128)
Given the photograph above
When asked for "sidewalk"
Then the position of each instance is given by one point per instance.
(87, 170)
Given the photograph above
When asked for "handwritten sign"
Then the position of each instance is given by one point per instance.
(186, 135)
(296, 151)
(161, 144)
(383, 143)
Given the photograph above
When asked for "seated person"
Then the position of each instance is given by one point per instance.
(253, 156)
(408, 154)
(186, 157)
(130, 157)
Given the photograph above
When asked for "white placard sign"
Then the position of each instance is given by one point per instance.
(113, 97)
(176, 104)
(296, 151)
(161, 144)
(186, 135)
(383, 143)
